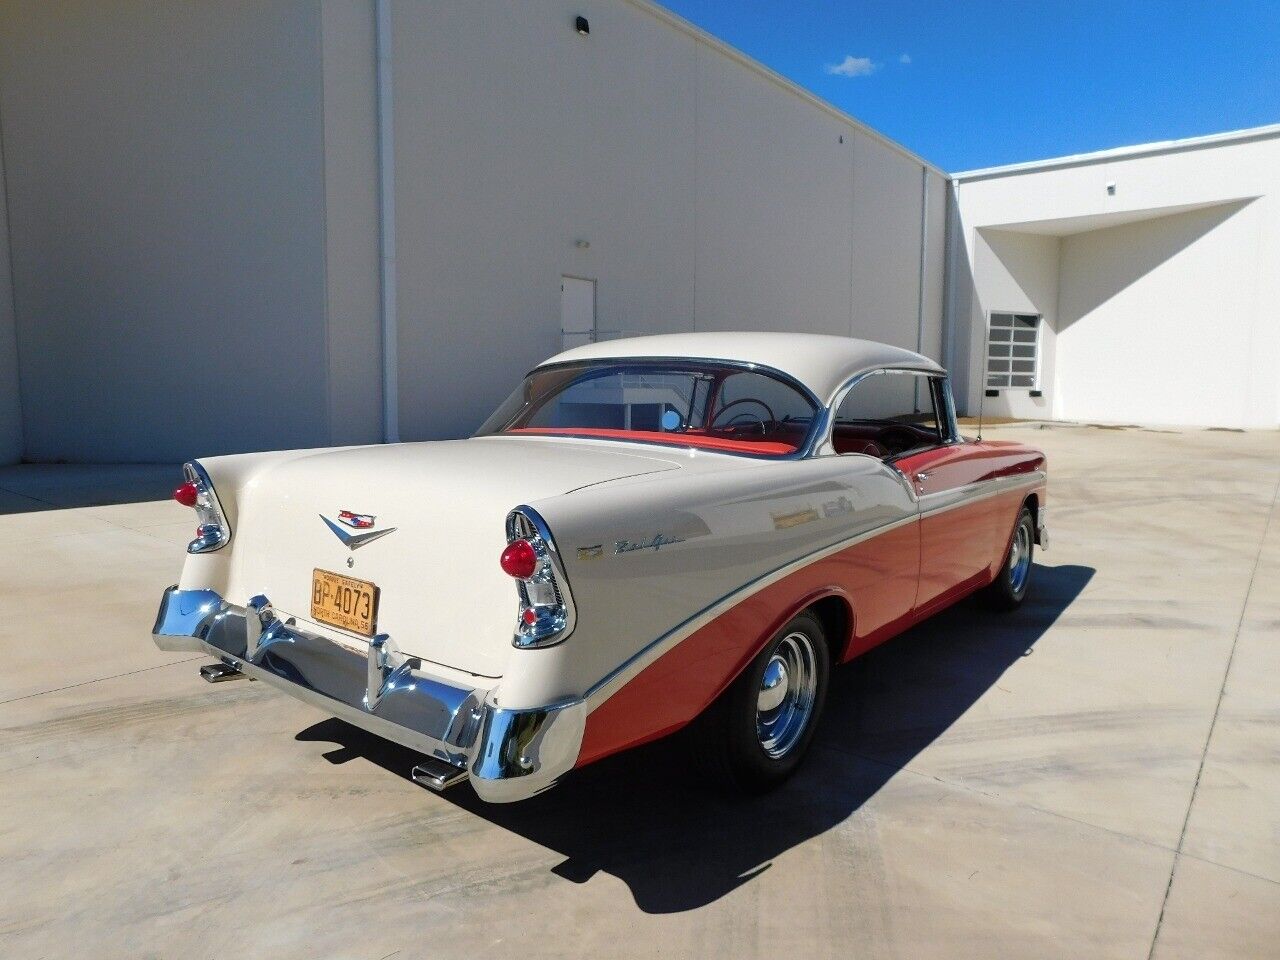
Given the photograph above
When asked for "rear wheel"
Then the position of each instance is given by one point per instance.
(1010, 586)
(756, 734)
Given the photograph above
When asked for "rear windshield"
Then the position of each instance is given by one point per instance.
(705, 405)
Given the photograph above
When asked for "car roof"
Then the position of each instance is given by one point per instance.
(822, 363)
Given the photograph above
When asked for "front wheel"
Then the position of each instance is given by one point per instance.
(756, 734)
(1009, 588)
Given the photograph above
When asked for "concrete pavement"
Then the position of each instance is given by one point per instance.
(1096, 775)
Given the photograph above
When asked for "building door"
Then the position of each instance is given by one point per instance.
(577, 311)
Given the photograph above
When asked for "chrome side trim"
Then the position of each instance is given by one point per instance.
(932, 504)
(607, 685)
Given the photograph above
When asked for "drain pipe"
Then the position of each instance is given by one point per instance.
(921, 271)
(387, 225)
(922, 267)
(952, 293)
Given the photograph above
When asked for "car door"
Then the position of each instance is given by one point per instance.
(882, 573)
(957, 518)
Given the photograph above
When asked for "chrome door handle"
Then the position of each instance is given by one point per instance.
(922, 476)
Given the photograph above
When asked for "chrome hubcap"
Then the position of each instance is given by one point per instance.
(773, 688)
(787, 690)
(1020, 558)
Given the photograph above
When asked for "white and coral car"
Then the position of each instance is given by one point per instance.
(648, 534)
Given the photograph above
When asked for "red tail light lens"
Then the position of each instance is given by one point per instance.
(519, 559)
(187, 494)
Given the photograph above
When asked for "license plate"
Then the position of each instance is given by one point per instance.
(343, 602)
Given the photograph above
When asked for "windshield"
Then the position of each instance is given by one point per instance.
(693, 404)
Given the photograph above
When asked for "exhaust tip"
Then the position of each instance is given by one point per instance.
(437, 775)
(218, 672)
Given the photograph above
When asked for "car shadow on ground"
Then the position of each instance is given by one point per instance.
(640, 817)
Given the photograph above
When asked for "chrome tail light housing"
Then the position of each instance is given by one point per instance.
(213, 531)
(546, 615)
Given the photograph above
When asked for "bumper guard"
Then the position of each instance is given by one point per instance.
(507, 754)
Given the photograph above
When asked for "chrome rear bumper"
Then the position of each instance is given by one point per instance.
(508, 754)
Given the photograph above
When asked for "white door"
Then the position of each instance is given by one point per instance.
(577, 311)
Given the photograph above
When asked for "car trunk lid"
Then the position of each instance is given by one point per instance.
(441, 594)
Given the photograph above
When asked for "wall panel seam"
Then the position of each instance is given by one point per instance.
(13, 292)
(324, 220)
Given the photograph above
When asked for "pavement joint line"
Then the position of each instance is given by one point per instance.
(1022, 804)
(27, 496)
(85, 683)
(1217, 708)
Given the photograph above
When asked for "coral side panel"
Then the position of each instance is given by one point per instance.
(878, 579)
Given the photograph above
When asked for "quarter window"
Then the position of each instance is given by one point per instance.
(1013, 350)
(888, 414)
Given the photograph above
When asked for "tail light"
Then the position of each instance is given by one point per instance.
(520, 559)
(213, 531)
(546, 613)
(187, 494)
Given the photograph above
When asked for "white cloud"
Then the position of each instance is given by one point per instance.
(904, 58)
(851, 66)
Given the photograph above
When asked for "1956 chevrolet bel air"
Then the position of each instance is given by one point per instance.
(649, 534)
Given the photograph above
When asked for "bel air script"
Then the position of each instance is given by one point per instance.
(657, 543)
(826, 487)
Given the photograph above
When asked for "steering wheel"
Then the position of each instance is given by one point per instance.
(733, 403)
(896, 439)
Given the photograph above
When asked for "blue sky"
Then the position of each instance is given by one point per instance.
(970, 85)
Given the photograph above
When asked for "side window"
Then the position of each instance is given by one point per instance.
(945, 404)
(888, 414)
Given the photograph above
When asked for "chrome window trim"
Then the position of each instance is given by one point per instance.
(942, 384)
(843, 391)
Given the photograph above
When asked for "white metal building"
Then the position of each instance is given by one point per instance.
(1139, 285)
(240, 225)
